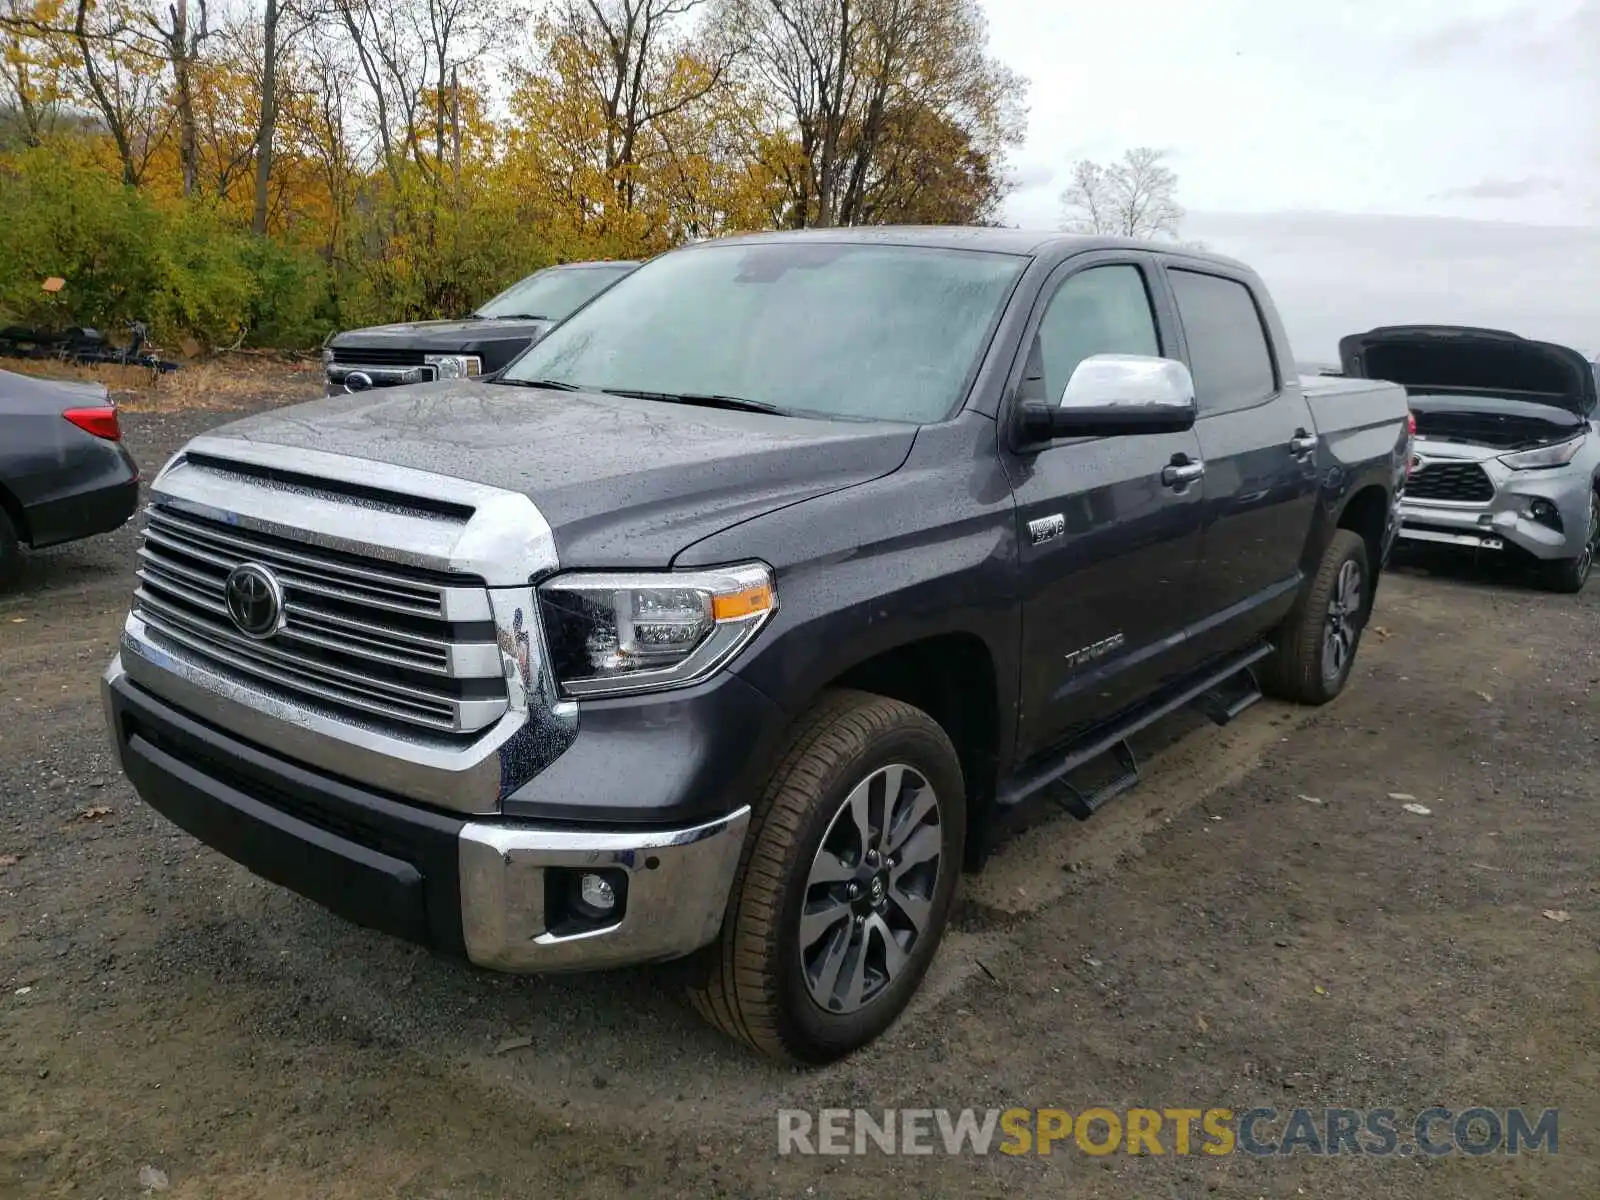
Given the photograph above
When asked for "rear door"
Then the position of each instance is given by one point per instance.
(1258, 443)
(1107, 548)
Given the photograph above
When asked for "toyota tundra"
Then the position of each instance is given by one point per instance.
(727, 623)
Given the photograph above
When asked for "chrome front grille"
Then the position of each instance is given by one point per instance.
(358, 636)
(378, 356)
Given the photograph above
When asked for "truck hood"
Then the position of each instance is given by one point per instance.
(442, 337)
(1461, 360)
(622, 482)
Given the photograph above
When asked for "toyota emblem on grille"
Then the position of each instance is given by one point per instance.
(255, 600)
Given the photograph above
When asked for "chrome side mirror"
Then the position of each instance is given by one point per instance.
(1139, 391)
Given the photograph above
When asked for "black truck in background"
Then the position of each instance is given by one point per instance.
(480, 344)
(727, 622)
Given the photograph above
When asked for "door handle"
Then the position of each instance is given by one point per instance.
(1180, 471)
(1302, 444)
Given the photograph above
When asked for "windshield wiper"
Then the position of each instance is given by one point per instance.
(513, 317)
(552, 385)
(700, 399)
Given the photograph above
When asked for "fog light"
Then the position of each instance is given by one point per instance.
(1545, 513)
(597, 893)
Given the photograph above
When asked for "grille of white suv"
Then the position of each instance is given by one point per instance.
(368, 639)
(1464, 482)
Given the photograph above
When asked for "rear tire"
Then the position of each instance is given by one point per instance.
(1570, 574)
(828, 931)
(10, 551)
(1317, 642)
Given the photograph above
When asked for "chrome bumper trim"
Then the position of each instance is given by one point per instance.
(463, 778)
(678, 884)
(1479, 541)
(381, 374)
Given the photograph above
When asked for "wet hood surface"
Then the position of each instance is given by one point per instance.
(441, 337)
(623, 482)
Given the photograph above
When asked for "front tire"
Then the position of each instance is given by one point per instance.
(845, 883)
(1570, 574)
(1317, 642)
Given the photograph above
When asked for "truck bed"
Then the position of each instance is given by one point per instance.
(1358, 420)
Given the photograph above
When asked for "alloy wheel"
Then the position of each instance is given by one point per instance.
(869, 893)
(1343, 621)
(1592, 543)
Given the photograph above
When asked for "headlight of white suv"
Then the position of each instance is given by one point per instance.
(615, 633)
(1558, 455)
(454, 366)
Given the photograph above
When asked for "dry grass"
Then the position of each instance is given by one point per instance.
(227, 383)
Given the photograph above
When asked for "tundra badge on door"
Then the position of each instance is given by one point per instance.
(1094, 650)
(1046, 528)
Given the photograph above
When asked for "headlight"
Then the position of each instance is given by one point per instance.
(327, 356)
(1558, 455)
(616, 633)
(454, 366)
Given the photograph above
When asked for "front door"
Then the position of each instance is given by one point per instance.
(1108, 546)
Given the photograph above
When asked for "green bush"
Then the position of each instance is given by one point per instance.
(192, 269)
(184, 268)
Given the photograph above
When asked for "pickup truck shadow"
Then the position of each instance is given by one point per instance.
(311, 979)
(1047, 806)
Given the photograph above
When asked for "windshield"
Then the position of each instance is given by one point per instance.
(832, 329)
(553, 292)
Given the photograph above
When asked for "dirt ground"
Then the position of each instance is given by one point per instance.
(1214, 938)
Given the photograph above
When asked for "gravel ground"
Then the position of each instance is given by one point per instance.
(1214, 938)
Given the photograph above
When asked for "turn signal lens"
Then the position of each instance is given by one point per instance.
(746, 602)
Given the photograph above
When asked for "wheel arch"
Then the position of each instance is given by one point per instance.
(953, 678)
(1366, 513)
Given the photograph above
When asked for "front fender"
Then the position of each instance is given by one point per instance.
(927, 551)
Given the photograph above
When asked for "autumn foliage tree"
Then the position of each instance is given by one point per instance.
(267, 170)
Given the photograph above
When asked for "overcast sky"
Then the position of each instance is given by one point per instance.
(1376, 160)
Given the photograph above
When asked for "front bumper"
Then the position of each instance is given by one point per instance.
(1507, 518)
(478, 888)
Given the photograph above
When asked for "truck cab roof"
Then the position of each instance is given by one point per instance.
(993, 239)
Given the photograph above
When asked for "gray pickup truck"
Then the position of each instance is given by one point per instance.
(729, 622)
